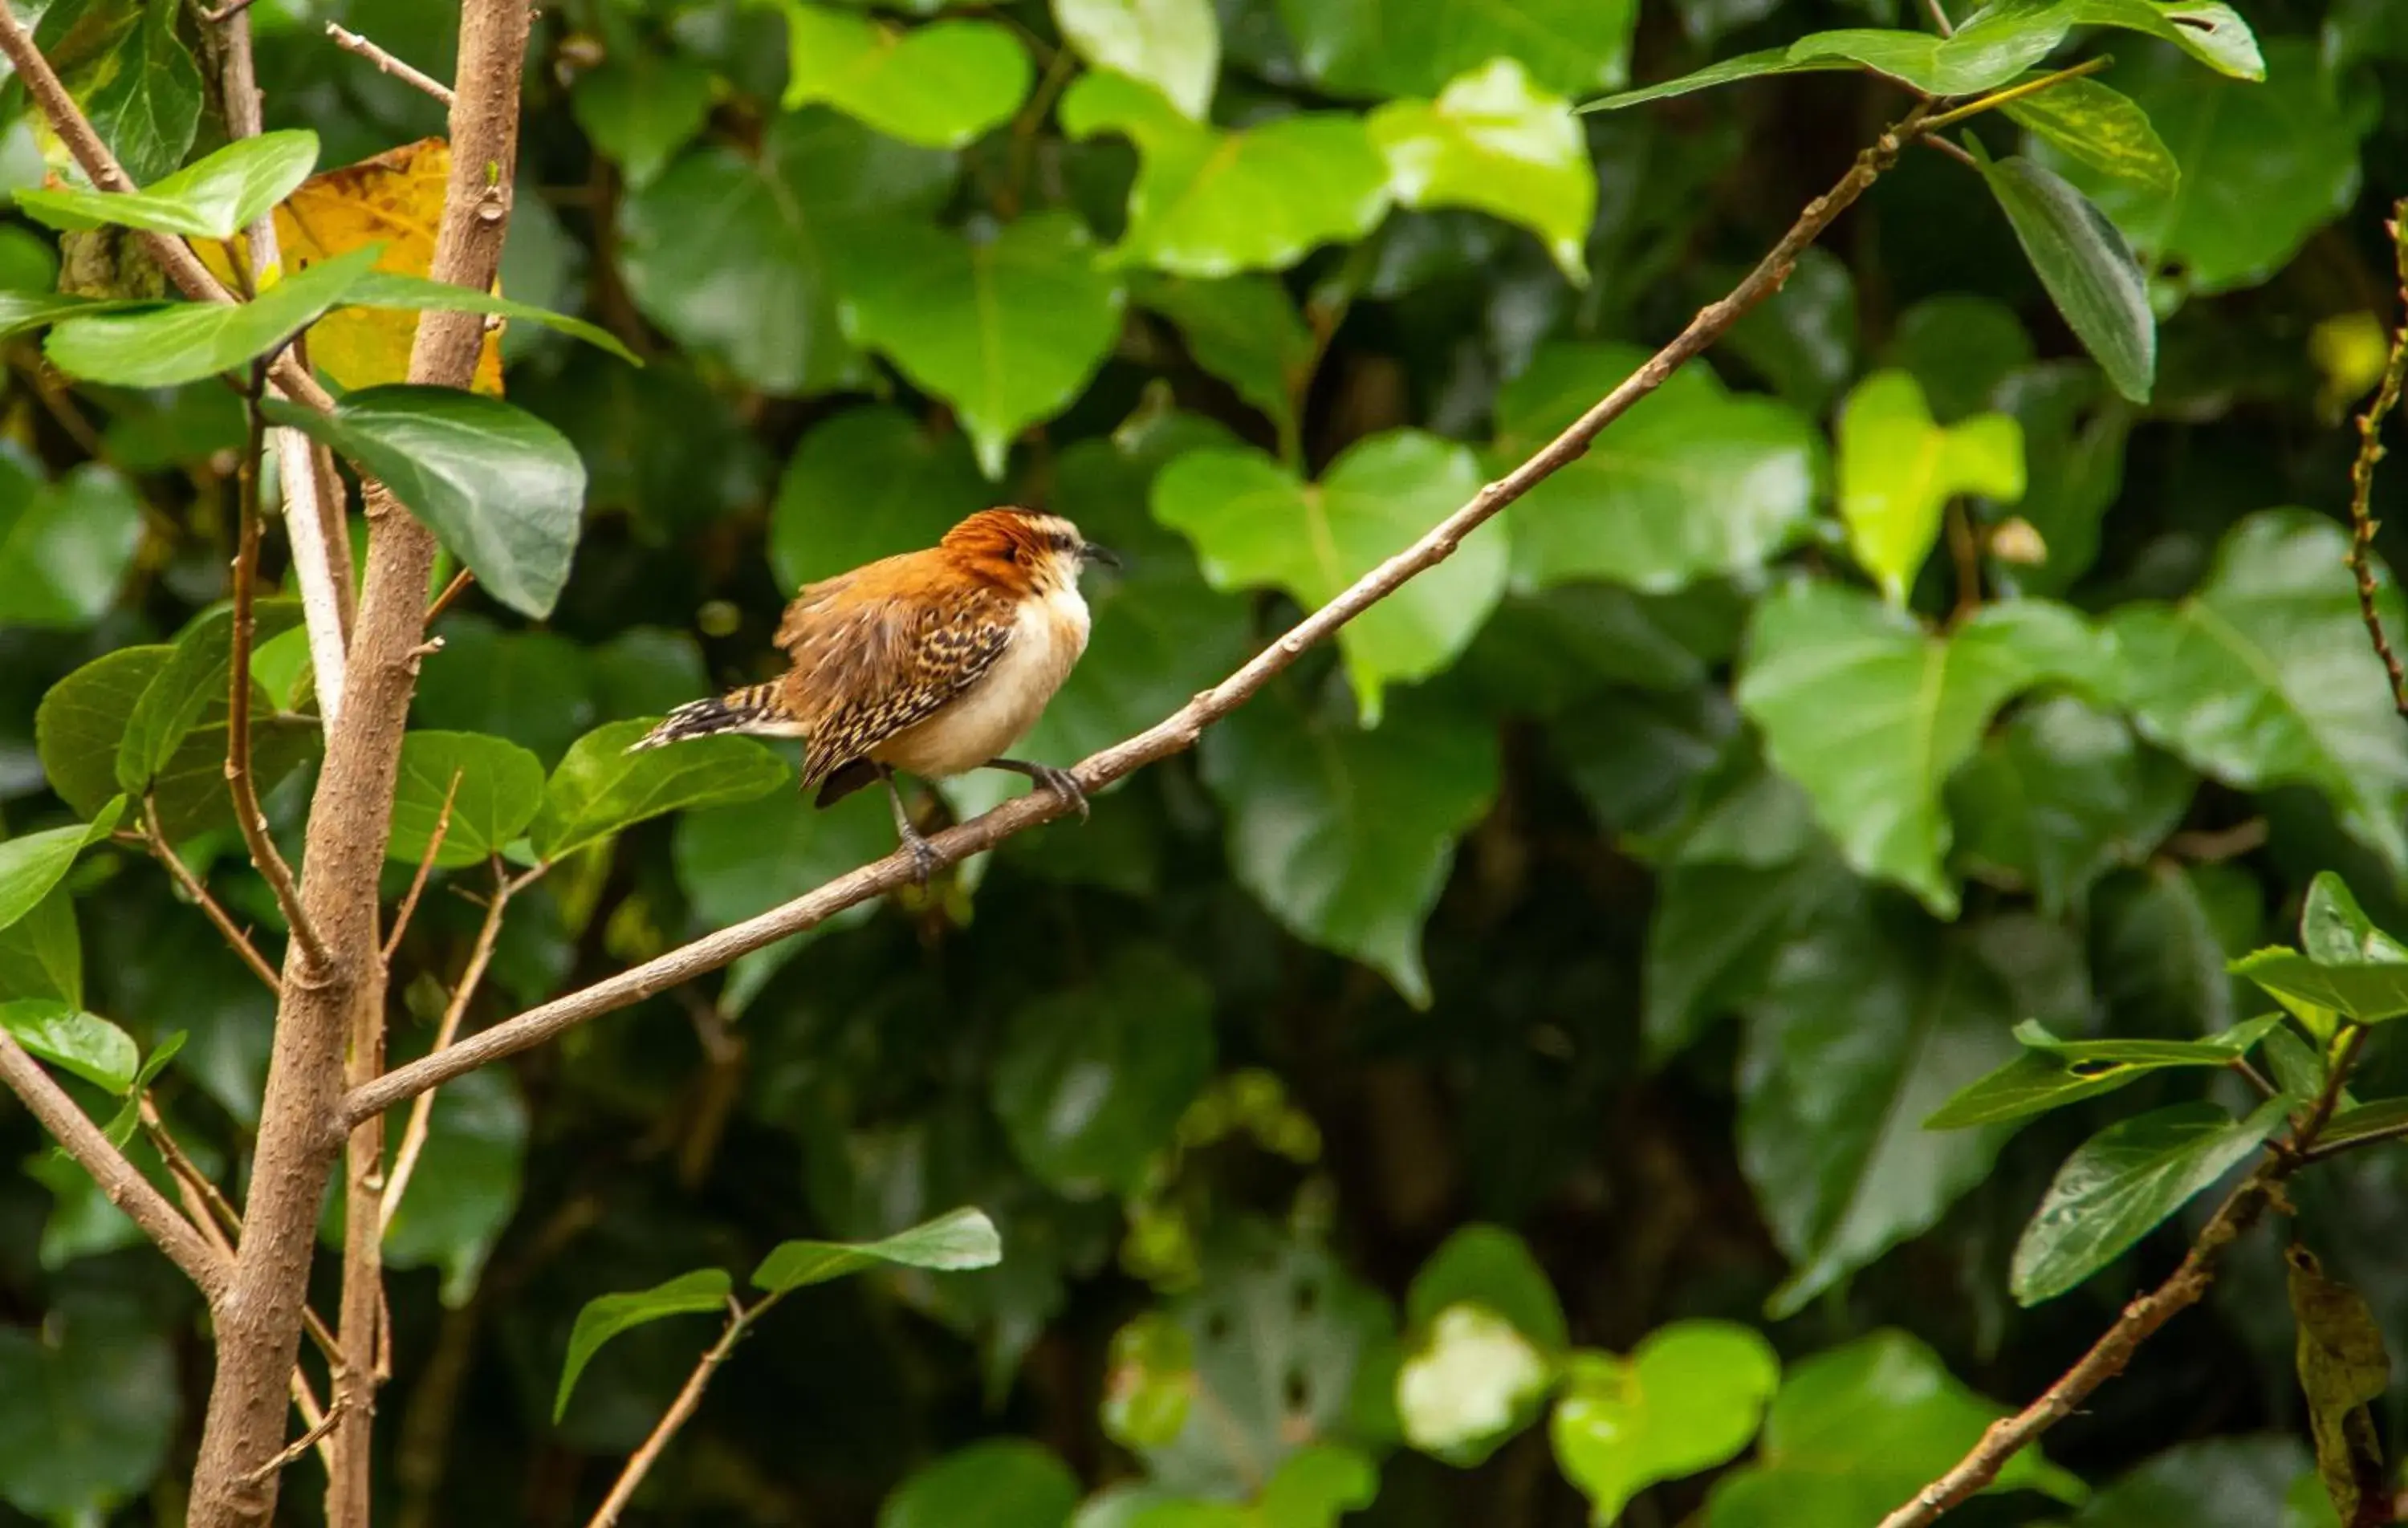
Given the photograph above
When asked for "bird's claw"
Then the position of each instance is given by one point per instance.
(1063, 784)
(923, 858)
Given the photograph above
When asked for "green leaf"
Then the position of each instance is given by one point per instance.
(641, 107)
(2090, 273)
(2207, 30)
(2384, 1117)
(1693, 482)
(1495, 144)
(2123, 1182)
(1243, 330)
(2344, 1373)
(1866, 1028)
(1388, 47)
(499, 787)
(2102, 128)
(939, 86)
(1872, 716)
(1857, 1430)
(2052, 1073)
(32, 866)
(600, 788)
(2335, 931)
(467, 1182)
(215, 196)
(136, 83)
(1994, 46)
(190, 685)
(2262, 165)
(1347, 836)
(1000, 1483)
(92, 1048)
(2059, 794)
(730, 254)
(1148, 1382)
(89, 1401)
(534, 688)
(1093, 1079)
(1897, 471)
(868, 484)
(605, 1317)
(2214, 1483)
(403, 291)
(504, 490)
(1209, 203)
(24, 310)
(41, 954)
(1315, 1486)
(1172, 45)
(185, 342)
(1472, 1383)
(2263, 677)
(1255, 522)
(1008, 329)
(1491, 1266)
(2375, 990)
(1714, 931)
(736, 860)
(959, 1239)
(83, 723)
(64, 545)
(1688, 1398)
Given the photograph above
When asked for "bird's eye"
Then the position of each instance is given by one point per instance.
(1012, 555)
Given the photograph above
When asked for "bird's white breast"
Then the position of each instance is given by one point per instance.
(997, 710)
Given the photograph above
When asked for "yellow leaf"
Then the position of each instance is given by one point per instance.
(396, 199)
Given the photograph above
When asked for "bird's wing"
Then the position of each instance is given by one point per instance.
(876, 650)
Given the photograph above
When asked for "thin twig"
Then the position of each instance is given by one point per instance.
(2361, 473)
(120, 1180)
(422, 1112)
(351, 42)
(1176, 733)
(2248, 1073)
(2183, 1288)
(2015, 93)
(166, 854)
(315, 1434)
(426, 868)
(453, 591)
(248, 816)
(1960, 156)
(640, 1463)
(1940, 19)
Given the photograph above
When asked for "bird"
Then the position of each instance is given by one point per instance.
(934, 663)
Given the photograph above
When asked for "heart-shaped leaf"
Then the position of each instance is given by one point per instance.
(1255, 522)
(1689, 1397)
(939, 86)
(606, 1315)
(213, 197)
(1211, 203)
(1008, 329)
(1242, 329)
(1494, 142)
(1391, 48)
(1172, 45)
(493, 788)
(185, 342)
(641, 107)
(504, 490)
(1000, 1483)
(601, 788)
(1897, 471)
(957, 1240)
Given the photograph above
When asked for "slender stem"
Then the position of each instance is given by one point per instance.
(2183, 1288)
(2361, 473)
(422, 1112)
(641, 1462)
(118, 1179)
(315, 1433)
(453, 591)
(166, 854)
(1174, 733)
(2015, 93)
(426, 868)
(2255, 1078)
(1959, 155)
(1940, 19)
(351, 42)
(254, 822)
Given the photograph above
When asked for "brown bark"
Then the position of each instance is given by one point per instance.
(330, 1032)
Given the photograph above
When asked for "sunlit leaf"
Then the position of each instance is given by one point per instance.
(963, 1238)
(939, 86)
(493, 786)
(212, 198)
(1898, 469)
(85, 1044)
(601, 788)
(1493, 142)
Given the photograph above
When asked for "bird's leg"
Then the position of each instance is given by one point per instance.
(924, 859)
(1060, 781)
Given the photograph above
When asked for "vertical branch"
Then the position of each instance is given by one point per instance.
(329, 1029)
(2361, 473)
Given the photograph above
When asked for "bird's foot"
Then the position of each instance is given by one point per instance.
(924, 855)
(1062, 783)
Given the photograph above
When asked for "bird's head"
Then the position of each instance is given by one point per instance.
(1025, 546)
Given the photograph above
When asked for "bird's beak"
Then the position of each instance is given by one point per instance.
(1090, 552)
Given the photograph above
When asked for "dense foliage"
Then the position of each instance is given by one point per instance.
(1499, 1077)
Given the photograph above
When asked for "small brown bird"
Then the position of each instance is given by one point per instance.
(931, 661)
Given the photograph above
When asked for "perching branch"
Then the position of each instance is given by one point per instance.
(351, 42)
(2361, 473)
(125, 1184)
(2183, 1288)
(1172, 734)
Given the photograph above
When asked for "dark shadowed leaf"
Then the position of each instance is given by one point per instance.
(2089, 271)
(467, 1184)
(641, 106)
(606, 1315)
(187, 687)
(2343, 1372)
(1243, 329)
(2052, 1073)
(65, 546)
(864, 484)
(1002, 1482)
(88, 1407)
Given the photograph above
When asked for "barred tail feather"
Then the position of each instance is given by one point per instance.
(754, 708)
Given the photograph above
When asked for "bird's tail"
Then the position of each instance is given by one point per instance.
(753, 708)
